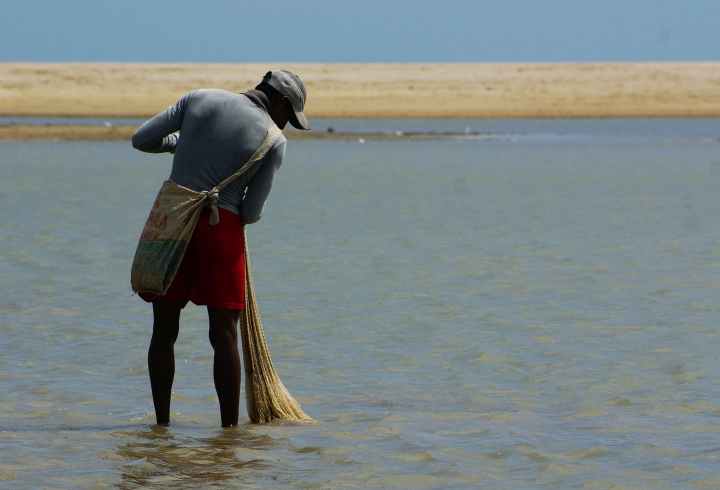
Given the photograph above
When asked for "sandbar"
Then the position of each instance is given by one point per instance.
(438, 90)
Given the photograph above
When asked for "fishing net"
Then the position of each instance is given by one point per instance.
(265, 395)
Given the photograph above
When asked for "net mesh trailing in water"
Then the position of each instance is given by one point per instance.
(266, 397)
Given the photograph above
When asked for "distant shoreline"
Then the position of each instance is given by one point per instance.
(124, 133)
(451, 90)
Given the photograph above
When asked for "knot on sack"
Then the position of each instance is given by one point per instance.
(212, 199)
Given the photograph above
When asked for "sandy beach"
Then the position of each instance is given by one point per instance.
(468, 90)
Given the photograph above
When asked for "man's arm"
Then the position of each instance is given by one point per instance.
(158, 135)
(258, 188)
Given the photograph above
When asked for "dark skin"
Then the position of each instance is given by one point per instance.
(281, 110)
(222, 333)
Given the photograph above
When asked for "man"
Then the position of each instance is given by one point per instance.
(219, 131)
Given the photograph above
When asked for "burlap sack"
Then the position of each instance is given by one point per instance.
(171, 223)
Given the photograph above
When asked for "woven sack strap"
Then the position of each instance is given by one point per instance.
(213, 194)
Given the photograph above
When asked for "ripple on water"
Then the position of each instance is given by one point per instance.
(532, 315)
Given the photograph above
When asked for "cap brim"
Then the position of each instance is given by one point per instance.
(299, 121)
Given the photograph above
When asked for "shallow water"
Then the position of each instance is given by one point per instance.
(539, 312)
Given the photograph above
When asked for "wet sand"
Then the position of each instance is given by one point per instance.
(124, 133)
(86, 133)
(467, 90)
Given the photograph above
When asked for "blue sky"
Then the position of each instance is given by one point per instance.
(359, 31)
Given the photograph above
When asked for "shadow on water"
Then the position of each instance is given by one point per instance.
(161, 457)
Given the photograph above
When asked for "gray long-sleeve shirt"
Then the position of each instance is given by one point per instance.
(220, 132)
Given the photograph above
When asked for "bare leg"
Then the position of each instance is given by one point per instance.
(226, 368)
(161, 356)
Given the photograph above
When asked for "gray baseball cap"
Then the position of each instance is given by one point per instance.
(290, 85)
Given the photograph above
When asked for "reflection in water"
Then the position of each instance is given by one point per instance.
(160, 457)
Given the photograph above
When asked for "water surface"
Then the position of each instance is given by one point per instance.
(537, 312)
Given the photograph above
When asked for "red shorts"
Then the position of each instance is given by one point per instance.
(212, 272)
